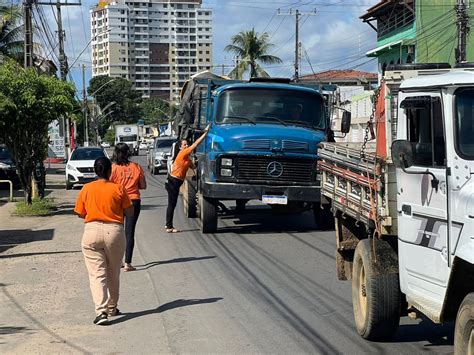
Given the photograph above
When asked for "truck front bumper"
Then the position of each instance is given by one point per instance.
(231, 191)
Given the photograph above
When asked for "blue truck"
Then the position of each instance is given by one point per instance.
(262, 145)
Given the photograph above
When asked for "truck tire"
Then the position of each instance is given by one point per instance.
(208, 214)
(376, 297)
(323, 216)
(464, 329)
(189, 200)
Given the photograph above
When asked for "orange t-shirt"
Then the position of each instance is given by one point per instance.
(102, 201)
(128, 176)
(181, 164)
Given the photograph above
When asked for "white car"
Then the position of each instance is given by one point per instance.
(159, 153)
(80, 166)
(105, 145)
(143, 145)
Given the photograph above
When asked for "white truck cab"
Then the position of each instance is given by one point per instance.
(404, 205)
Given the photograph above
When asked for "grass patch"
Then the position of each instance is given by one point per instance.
(38, 207)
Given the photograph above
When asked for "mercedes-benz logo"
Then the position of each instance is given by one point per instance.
(275, 169)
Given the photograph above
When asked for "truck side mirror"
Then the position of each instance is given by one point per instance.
(402, 154)
(346, 122)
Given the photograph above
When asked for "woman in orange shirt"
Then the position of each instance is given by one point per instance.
(102, 204)
(131, 176)
(178, 173)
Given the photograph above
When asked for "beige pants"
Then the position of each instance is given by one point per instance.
(103, 246)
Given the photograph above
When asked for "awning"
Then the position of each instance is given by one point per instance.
(385, 47)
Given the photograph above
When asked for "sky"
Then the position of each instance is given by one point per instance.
(331, 33)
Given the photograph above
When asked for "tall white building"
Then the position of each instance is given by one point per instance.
(156, 44)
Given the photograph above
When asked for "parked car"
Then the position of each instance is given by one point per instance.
(159, 153)
(105, 145)
(80, 166)
(7, 168)
(142, 145)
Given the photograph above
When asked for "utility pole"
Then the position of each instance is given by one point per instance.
(28, 49)
(297, 14)
(63, 69)
(462, 23)
(84, 107)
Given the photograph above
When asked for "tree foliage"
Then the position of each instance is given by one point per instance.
(119, 96)
(252, 48)
(29, 102)
(155, 110)
(11, 32)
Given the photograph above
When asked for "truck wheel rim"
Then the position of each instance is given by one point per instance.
(362, 293)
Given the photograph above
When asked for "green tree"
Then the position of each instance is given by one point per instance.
(155, 110)
(11, 32)
(119, 96)
(29, 102)
(251, 47)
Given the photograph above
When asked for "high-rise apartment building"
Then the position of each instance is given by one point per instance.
(156, 44)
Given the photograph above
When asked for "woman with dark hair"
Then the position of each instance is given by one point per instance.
(176, 178)
(103, 204)
(131, 176)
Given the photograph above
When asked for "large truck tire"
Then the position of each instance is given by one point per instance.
(189, 200)
(323, 217)
(376, 297)
(208, 214)
(464, 329)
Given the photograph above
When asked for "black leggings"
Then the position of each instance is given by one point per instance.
(172, 186)
(130, 223)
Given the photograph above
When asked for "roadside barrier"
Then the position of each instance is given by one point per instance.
(11, 188)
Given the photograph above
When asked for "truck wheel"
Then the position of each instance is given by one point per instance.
(208, 212)
(464, 329)
(189, 200)
(375, 297)
(323, 216)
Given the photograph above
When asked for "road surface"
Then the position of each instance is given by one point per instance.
(264, 283)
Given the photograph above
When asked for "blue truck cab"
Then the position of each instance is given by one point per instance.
(262, 145)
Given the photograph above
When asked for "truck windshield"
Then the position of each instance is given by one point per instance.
(465, 122)
(277, 106)
(132, 138)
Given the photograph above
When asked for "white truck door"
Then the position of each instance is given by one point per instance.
(422, 204)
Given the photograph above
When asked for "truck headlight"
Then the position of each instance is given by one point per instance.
(70, 167)
(226, 162)
(226, 172)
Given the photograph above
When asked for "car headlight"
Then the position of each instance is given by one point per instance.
(226, 162)
(70, 167)
(226, 172)
(5, 166)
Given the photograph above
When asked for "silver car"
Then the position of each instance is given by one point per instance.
(159, 153)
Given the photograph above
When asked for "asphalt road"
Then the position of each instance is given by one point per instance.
(264, 283)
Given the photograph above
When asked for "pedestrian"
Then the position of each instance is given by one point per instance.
(176, 178)
(103, 204)
(131, 176)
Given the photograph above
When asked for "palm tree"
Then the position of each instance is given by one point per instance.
(251, 48)
(11, 33)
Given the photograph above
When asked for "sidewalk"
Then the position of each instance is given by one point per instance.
(45, 301)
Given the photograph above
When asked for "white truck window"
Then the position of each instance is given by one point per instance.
(425, 130)
(465, 123)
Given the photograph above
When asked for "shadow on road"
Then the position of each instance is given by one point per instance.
(14, 237)
(12, 330)
(165, 307)
(19, 255)
(426, 330)
(173, 261)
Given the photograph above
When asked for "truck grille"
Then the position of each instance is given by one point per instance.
(256, 144)
(275, 169)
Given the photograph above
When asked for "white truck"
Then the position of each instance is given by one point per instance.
(128, 133)
(404, 204)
